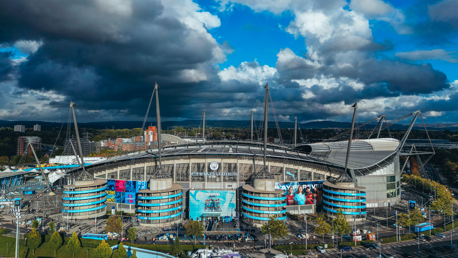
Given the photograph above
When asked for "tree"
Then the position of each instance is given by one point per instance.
(416, 216)
(177, 246)
(35, 223)
(323, 228)
(4, 160)
(120, 252)
(275, 228)
(194, 228)
(134, 254)
(341, 225)
(51, 226)
(114, 224)
(55, 242)
(74, 244)
(33, 240)
(103, 250)
(404, 220)
(132, 234)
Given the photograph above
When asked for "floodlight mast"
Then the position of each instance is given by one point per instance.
(43, 175)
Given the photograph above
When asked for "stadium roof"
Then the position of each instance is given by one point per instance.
(364, 155)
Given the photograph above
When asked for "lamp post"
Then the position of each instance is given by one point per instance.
(306, 233)
(418, 240)
(17, 214)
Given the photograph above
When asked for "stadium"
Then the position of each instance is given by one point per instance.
(226, 169)
(244, 180)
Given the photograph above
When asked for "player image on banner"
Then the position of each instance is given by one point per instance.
(211, 203)
(302, 193)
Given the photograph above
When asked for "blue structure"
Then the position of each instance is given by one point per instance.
(258, 206)
(423, 227)
(85, 199)
(95, 236)
(343, 196)
(160, 207)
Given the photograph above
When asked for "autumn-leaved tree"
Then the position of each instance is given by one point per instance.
(114, 224)
(194, 228)
(276, 228)
(341, 225)
(74, 244)
(33, 240)
(103, 250)
(55, 242)
(323, 228)
(120, 252)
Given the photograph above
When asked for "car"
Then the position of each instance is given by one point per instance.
(407, 255)
(428, 238)
(320, 249)
(345, 247)
(362, 256)
(387, 255)
(368, 245)
(429, 250)
(375, 246)
(439, 235)
(349, 256)
(449, 247)
(420, 238)
(439, 248)
(433, 256)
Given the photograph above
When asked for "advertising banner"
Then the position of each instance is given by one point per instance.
(121, 191)
(302, 193)
(211, 203)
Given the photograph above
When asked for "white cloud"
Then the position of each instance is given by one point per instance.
(28, 46)
(327, 83)
(249, 72)
(435, 54)
(193, 75)
(433, 113)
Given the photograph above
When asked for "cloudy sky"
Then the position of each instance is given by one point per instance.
(319, 57)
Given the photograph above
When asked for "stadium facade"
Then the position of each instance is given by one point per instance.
(216, 179)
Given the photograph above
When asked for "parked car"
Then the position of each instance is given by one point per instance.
(407, 255)
(320, 249)
(375, 246)
(420, 238)
(428, 238)
(387, 255)
(439, 235)
(368, 245)
(433, 256)
(345, 247)
(362, 256)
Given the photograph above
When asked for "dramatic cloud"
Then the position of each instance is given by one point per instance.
(107, 55)
(435, 54)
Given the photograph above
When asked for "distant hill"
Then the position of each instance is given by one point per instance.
(215, 123)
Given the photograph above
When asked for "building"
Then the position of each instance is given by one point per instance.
(87, 146)
(23, 147)
(19, 128)
(218, 179)
(37, 128)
